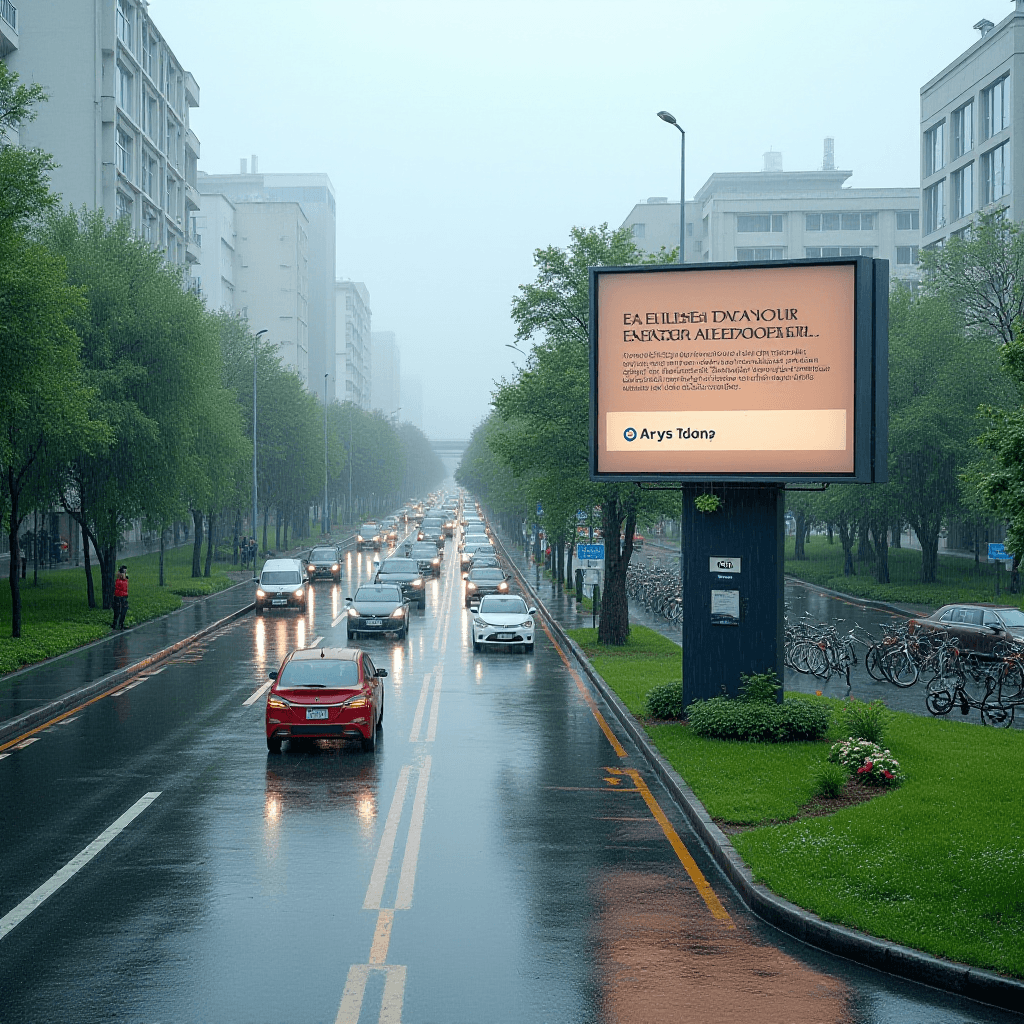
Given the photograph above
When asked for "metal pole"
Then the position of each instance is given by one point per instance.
(350, 461)
(255, 347)
(682, 194)
(324, 524)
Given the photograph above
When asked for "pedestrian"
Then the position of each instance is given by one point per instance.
(243, 548)
(120, 597)
(252, 551)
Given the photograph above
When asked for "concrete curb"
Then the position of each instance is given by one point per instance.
(883, 605)
(880, 954)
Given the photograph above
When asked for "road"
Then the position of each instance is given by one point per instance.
(505, 855)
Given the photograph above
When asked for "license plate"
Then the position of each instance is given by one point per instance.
(285, 601)
(375, 622)
(505, 636)
(312, 713)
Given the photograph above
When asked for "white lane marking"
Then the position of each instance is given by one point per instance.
(130, 686)
(417, 719)
(407, 879)
(6, 753)
(394, 996)
(157, 671)
(352, 997)
(14, 917)
(338, 618)
(259, 693)
(355, 988)
(316, 640)
(434, 706)
(379, 875)
(26, 743)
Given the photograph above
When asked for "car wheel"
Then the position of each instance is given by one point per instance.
(274, 744)
(476, 647)
(370, 745)
(259, 608)
(380, 720)
(528, 648)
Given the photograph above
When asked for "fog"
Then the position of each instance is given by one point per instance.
(462, 136)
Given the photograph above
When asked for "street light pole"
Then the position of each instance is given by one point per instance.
(324, 524)
(255, 347)
(350, 460)
(669, 119)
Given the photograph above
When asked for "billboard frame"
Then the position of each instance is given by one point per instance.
(871, 372)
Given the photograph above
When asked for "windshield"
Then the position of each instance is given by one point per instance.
(435, 523)
(1013, 617)
(503, 605)
(323, 555)
(368, 528)
(280, 577)
(379, 593)
(296, 675)
(487, 574)
(400, 565)
(483, 549)
(426, 550)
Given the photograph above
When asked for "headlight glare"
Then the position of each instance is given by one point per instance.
(261, 593)
(417, 583)
(353, 613)
(398, 612)
(335, 567)
(298, 593)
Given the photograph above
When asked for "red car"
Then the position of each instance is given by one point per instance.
(331, 692)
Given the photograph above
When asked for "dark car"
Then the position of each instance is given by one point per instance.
(405, 572)
(473, 551)
(369, 536)
(378, 608)
(432, 529)
(324, 563)
(426, 556)
(484, 581)
(980, 628)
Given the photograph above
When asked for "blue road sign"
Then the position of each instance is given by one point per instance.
(998, 553)
(590, 552)
(540, 511)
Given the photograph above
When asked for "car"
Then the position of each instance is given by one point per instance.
(389, 529)
(485, 561)
(432, 528)
(324, 562)
(467, 556)
(471, 539)
(484, 581)
(979, 628)
(426, 556)
(378, 608)
(369, 536)
(405, 572)
(503, 620)
(323, 692)
(282, 584)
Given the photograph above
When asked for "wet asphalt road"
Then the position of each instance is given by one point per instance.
(495, 860)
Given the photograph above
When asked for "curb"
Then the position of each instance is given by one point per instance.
(882, 605)
(889, 957)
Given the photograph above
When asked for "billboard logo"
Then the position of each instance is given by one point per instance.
(629, 434)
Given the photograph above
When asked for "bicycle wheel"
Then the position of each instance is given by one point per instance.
(1000, 716)
(873, 663)
(900, 668)
(817, 662)
(940, 699)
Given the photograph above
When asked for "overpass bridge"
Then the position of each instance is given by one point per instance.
(451, 447)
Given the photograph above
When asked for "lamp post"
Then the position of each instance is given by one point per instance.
(516, 348)
(255, 347)
(669, 119)
(325, 526)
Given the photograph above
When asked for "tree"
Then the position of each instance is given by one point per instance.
(24, 188)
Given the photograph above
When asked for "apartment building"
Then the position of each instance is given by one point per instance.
(117, 121)
(776, 214)
(215, 228)
(969, 114)
(385, 376)
(314, 193)
(353, 354)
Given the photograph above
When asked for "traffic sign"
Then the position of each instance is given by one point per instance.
(590, 552)
(998, 553)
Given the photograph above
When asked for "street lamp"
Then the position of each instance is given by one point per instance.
(325, 526)
(515, 348)
(255, 345)
(669, 119)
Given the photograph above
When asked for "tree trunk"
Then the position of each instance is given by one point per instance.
(277, 530)
(801, 533)
(163, 535)
(881, 554)
(559, 558)
(266, 514)
(285, 519)
(829, 533)
(210, 541)
(35, 547)
(238, 530)
(90, 587)
(846, 539)
(928, 535)
(197, 543)
(177, 533)
(897, 535)
(15, 564)
(865, 553)
(614, 625)
(568, 564)
(107, 556)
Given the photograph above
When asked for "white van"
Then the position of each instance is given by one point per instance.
(282, 585)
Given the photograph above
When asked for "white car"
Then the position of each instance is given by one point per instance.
(503, 620)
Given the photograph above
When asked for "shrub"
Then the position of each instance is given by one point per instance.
(758, 721)
(829, 779)
(865, 720)
(760, 686)
(868, 761)
(665, 700)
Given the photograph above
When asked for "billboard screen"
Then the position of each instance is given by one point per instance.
(761, 371)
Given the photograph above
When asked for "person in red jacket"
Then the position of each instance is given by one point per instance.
(120, 597)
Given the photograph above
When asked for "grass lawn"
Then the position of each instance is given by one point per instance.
(958, 578)
(56, 617)
(937, 864)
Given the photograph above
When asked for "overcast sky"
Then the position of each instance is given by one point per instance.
(462, 136)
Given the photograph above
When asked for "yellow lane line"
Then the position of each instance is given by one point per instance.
(703, 886)
(382, 937)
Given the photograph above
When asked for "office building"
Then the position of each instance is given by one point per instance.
(386, 372)
(314, 193)
(117, 120)
(969, 160)
(353, 352)
(777, 214)
(215, 229)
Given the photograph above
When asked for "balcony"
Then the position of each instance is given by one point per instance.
(8, 28)
(191, 141)
(191, 89)
(191, 196)
(193, 247)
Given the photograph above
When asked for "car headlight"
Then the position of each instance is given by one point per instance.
(503, 586)
(417, 583)
(479, 623)
(354, 613)
(275, 700)
(398, 612)
(261, 593)
(298, 593)
(335, 567)
(471, 586)
(436, 561)
(527, 624)
(359, 537)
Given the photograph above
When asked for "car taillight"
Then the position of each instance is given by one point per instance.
(275, 700)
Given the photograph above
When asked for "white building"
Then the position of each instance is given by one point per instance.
(385, 378)
(315, 194)
(216, 231)
(354, 345)
(969, 115)
(117, 121)
(776, 214)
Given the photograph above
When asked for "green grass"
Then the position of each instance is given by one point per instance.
(958, 579)
(647, 659)
(937, 864)
(56, 617)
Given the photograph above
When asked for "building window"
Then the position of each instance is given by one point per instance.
(935, 148)
(761, 253)
(122, 206)
(995, 173)
(963, 191)
(149, 176)
(689, 230)
(639, 230)
(759, 222)
(124, 153)
(906, 255)
(150, 119)
(908, 220)
(963, 130)
(935, 207)
(996, 105)
(813, 252)
(148, 50)
(840, 221)
(124, 22)
(697, 246)
(124, 91)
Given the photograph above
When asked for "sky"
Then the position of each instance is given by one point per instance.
(462, 135)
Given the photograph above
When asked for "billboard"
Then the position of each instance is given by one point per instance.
(771, 371)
